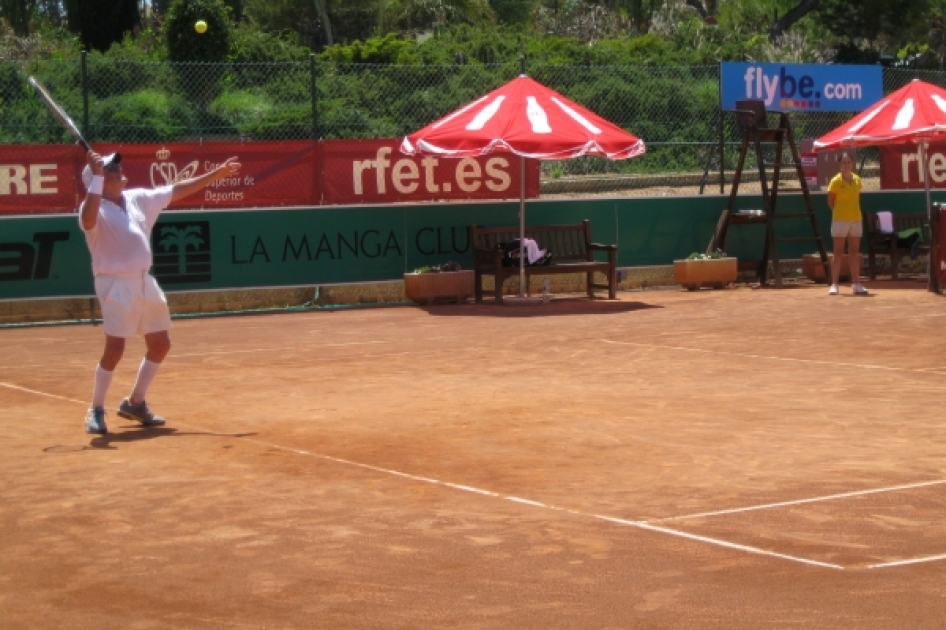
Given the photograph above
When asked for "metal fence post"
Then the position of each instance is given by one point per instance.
(722, 139)
(722, 154)
(85, 96)
(315, 97)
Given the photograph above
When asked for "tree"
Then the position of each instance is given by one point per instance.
(162, 7)
(185, 44)
(101, 23)
(322, 10)
(868, 27)
(312, 20)
(513, 11)
(17, 14)
(707, 12)
(784, 23)
(425, 14)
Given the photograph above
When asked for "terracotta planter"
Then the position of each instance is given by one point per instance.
(715, 273)
(811, 267)
(427, 288)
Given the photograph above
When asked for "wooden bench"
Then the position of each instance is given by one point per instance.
(886, 243)
(570, 247)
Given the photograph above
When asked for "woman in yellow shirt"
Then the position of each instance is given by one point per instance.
(844, 199)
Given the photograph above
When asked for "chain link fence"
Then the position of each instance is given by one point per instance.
(674, 109)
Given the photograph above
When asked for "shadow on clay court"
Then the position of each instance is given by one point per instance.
(109, 440)
(874, 286)
(553, 308)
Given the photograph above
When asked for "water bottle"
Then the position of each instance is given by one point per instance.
(545, 289)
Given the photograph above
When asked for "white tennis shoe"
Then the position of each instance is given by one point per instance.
(95, 421)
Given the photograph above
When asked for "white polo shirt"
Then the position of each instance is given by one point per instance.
(120, 242)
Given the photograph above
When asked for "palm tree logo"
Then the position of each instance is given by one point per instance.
(181, 238)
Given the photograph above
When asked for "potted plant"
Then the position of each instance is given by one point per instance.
(813, 270)
(446, 282)
(714, 270)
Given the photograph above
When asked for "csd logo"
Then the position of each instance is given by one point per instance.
(165, 173)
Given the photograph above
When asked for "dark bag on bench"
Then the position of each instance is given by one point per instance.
(910, 239)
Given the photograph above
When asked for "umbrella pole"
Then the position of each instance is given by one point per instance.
(522, 225)
(929, 211)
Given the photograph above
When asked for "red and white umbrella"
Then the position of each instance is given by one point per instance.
(916, 113)
(528, 119)
(525, 118)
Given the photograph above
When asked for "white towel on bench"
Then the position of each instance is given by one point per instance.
(885, 219)
(533, 252)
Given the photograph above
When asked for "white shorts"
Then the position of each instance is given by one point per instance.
(132, 304)
(843, 229)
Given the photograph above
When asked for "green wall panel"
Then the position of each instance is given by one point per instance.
(47, 257)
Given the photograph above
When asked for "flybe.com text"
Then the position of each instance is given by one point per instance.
(785, 86)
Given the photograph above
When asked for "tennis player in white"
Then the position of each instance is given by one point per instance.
(117, 224)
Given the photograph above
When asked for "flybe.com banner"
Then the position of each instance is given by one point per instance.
(801, 87)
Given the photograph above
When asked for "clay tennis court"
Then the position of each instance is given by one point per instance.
(744, 458)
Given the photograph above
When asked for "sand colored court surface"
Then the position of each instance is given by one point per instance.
(746, 458)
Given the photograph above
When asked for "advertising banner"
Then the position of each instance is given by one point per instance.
(36, 179)
(272, 174)
(375, 171)
(205, 250)
(46, 256)
(801, 87)
(900, 166)
(45, 179)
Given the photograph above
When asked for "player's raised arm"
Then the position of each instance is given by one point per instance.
(188, 187)
(89, 210)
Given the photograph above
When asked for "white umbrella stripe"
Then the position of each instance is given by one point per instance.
(581, 120)
(868, 118)
(537, 116)
(904, 116)
(940, 102)
(480, 120)
(446, 119)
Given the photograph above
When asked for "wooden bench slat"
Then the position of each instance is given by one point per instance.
(571, 252)
(879, 242)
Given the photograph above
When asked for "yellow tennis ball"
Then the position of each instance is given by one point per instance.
(200, 27)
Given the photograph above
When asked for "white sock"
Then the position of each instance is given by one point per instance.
(146, 373)
(103, 378)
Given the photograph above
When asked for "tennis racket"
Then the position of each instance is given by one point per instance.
(59, 112)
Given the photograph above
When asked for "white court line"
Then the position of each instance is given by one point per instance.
(717, 541)
(328, 345)
(900, 563)
(866, 366)
(828, 497)
(39, 393)
(519, 500)
(610, 519)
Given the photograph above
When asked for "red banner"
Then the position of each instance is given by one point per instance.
(45, 178)
(900, 166)
(272, 174)
(38, 179)
(375, 171)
